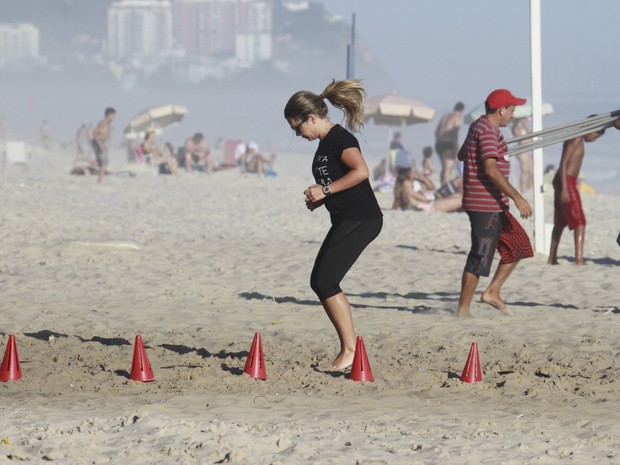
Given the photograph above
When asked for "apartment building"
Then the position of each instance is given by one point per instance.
(19, 42)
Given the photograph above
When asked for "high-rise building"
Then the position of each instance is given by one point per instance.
(140, 29)
(253, 41)
(224, 29)
(205, 28)
(19, 41)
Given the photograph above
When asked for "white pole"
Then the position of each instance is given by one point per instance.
(536, 70)
(388, 158)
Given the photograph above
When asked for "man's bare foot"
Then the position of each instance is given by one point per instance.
(552, 262)
(343, 361)
(581, 262)
(463, 313)
(496, 302)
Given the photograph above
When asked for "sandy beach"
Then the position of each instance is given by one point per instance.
(197, 264)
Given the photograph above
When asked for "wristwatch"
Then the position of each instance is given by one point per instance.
(327, 191)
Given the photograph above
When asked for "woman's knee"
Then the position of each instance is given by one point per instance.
(323, 288)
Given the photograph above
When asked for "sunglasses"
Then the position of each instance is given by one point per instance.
(297, 128)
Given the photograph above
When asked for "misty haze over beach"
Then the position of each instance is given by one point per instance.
(198, 261)
(249, 105)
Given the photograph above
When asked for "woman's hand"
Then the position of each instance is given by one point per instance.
(314, 196)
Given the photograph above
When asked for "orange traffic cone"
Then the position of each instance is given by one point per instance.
(255, 363)
(141, 368)
(471, 372)
(360, 370)
(10, 369)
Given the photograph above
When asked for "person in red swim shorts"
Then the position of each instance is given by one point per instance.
(567, 201)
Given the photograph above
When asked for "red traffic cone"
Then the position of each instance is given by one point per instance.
(141, 368)
(10, 369)
(360, 370)
(471, 372)
(255, 363)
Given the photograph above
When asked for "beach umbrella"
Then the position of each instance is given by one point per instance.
(395, 110)
(521, 111)
(155, 118)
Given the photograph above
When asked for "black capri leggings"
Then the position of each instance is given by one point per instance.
(344, 243)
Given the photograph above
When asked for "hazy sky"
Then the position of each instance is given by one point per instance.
(436, 51)
(440, 51)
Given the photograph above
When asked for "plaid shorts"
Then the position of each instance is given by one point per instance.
(495, 230)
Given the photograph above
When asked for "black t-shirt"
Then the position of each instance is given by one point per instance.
(358, 202)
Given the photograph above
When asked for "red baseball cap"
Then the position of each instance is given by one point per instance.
(502, 98)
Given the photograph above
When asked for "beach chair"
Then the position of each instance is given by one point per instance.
(15, 153)
(139, 154)
(229, 159)
(146, 159)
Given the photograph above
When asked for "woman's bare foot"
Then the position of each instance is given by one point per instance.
(343, 361)
(426, 207)
(495, 302)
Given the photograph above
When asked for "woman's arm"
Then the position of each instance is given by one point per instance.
(358, 172)
(413, 197)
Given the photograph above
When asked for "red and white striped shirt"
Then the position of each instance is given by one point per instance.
(483, 141)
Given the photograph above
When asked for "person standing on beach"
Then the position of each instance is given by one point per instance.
(486, 193)
(82, 138)
(521, 127)
(44, 135)
(399, 157)
(567, 201)
(100, 137)
(447, 141)
(342, 185)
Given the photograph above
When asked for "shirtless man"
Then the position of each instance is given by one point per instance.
(567, 201)
(521, 127)
(447, 141)
(197, 151)
(99, 141)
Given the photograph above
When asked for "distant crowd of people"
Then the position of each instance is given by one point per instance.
(414, 188)
(481, 188)
(194, 155)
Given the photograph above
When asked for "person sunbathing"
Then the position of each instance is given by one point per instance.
(252, 161)
(86, 166)
(406, 197)
(165, 159)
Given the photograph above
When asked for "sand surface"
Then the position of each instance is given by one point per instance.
(197, 264)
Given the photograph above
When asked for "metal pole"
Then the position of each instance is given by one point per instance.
(536, 72)
(348, 61)
(352, 51)
(388, 158)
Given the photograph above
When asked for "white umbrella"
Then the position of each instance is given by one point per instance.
(155, 118)
(521, 111)
(395, 110)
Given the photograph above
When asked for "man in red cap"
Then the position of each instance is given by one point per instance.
(486, 194)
